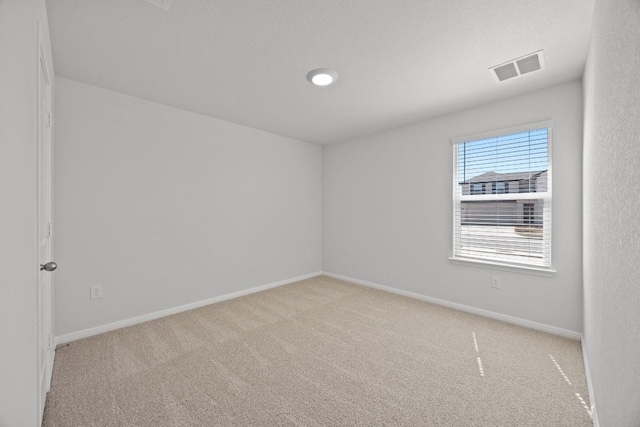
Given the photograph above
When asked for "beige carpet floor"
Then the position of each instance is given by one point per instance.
(320, 352)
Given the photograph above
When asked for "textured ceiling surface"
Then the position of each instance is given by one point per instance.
(246, 61)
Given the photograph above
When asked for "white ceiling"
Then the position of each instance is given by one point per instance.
(246, 61)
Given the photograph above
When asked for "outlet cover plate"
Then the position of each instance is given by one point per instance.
(495, 282)
(96, 292)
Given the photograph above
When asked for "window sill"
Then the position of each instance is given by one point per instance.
(537, 271)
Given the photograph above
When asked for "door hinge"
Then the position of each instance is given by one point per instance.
(49, 342)
(49, 230)
(49, 120)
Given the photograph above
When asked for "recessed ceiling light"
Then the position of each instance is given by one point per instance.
(322, 76)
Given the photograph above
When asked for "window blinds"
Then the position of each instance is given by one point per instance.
(502, 198)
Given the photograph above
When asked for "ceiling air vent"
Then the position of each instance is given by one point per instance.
(162, 4)
(518, 67)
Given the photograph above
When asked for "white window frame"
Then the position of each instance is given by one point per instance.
(457, 198)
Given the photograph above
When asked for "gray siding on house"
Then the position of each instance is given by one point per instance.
(504, 212)
(541, 182)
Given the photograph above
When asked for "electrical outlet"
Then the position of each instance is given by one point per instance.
(96, 292)
(495, 282)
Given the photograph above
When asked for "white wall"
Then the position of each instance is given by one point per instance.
(18, 207)
(164, 207)
(387, 210)
(611, 212)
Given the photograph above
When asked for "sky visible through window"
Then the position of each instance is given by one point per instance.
(514, 153)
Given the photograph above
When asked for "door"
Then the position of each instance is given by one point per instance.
(43, 316)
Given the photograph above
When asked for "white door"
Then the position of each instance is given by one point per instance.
(45, 343)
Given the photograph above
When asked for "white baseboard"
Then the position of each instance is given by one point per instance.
(52, 359)
(481, 312)
(587, 373)
(73, 336)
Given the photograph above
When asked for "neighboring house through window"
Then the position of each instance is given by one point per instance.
(502, 196)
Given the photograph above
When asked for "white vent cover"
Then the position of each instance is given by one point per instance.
(162, 4)
(518, 67)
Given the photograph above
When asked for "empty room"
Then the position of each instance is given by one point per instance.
(319, 213)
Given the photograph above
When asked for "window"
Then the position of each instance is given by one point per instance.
(500, 187)
(478, 188)
(510, 223)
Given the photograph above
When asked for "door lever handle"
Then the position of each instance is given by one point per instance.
(50, 266)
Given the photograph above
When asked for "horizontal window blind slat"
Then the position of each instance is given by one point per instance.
(502, 197)
(473, 155)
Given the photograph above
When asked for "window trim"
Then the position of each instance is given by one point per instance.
(526, 269)
(494, 264)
